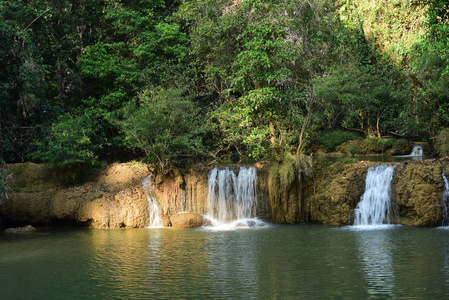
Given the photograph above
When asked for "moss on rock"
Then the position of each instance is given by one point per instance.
(417, 189)
(335, 191)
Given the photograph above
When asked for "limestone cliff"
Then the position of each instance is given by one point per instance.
(417, 189)
(183, 192)
(334, 191)
(114, 199)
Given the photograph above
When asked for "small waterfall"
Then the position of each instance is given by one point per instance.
(374, 206)
(417, 151)
(154, 211)
(445, 200)
(232, 197)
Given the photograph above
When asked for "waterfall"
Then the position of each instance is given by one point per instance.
(232, 197)
(154, 212)
(417, 151)
(374, 206)
(445, 200)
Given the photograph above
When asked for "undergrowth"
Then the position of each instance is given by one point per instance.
(330, 140)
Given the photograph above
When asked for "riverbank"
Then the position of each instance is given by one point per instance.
(116, 198)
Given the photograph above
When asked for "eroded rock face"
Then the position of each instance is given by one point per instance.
(417, 189)
(114, 199)
(187, 220)
(183, 192)
(334, 191)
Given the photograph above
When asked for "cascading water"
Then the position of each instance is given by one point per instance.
(445, 200)
(232, 197)
(155, 220)
(374, 206)
(417, 151)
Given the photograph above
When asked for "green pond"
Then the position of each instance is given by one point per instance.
(275, 262)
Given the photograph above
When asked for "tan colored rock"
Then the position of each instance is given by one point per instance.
(187, 220)
(188, 195)
(334, 191)
(114, 199)
(417, 189)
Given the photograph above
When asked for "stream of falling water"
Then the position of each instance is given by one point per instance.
(445, 200)
(374, 206)
(154, 211)
(417, 151)
(231, 200)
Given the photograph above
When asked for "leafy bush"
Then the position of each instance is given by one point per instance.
(442, 142)
(69, 150)
(376, 141)
(330, 140)
(356, 150)
(348, 160)
(164, 125)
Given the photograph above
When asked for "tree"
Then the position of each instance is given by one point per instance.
(361, 98)
(256, 58)
(70, 148)
(20, 92)
(427, 111)
(164, 125)
(140, 48)
(41, 45)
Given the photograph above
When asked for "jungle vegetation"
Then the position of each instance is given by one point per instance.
(172, 82)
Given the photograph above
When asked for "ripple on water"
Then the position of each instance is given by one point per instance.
(250, 223)
(370, 227)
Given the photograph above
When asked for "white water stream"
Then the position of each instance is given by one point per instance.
(445, 200)
(417, 151)
(231, 200)
(374, 206)
(154, 211)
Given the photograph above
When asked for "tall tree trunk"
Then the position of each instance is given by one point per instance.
(377, 127)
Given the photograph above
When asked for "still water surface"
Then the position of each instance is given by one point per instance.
(278, 262)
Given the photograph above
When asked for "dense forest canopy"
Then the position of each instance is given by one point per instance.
(84, 81)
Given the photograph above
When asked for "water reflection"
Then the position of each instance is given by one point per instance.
(445, 252)
(182, 262)
(377, 262)
(117, 268)
(233, 255)
(280, 262)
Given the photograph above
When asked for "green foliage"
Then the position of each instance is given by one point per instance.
(251, 55)
(392, 27)
(257, 78)
(376, 141)
(380, 145)
(20, 92)
(362, 98)
(348, 160)
(427, 112)
(330, 140)
(70, 148)
(263, 59)
(164, 125)
(400, 144)
(3, 181)
(442, 142)
(284, 182)
(139, 45)
(438, 30)
(353, 150)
